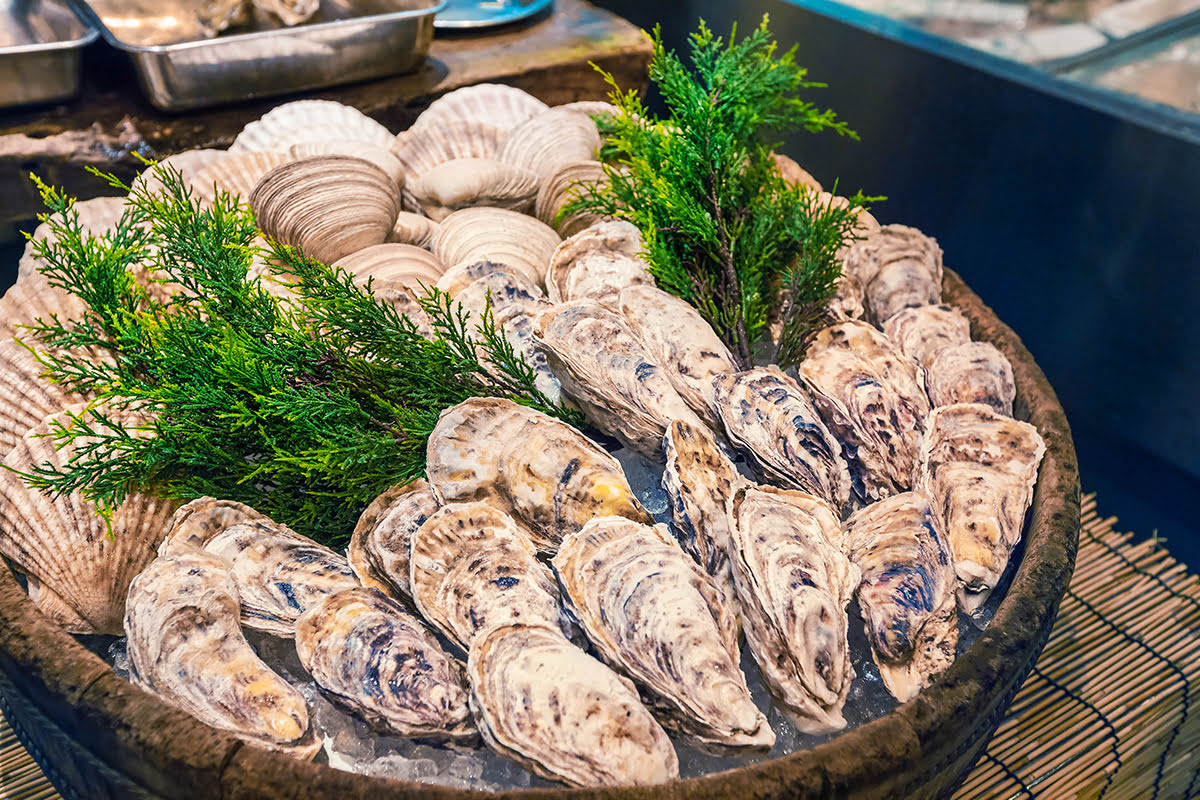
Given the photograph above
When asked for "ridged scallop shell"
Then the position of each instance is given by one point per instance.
(82, 570)
(795, 581)
(382, 539)
(415, 229)
(26, 398)
(196, 522)
(552, 139)
(329, 206)
(899, 267)
(795, 174)
(371, 656)
(769, 416)
(972, 372)
(592, 108)
(403, 264)
(547, 476)
(597, 263)
(505, 107)
(547, 705)
(561, 187)
(466, 182)
(290, 12)
(236, 174)
(978, 469)
(187, 164)
(472, 569)
(309, 121)
(924, 331)
(653, 615)
(379, 156)
(185, 645)
(420, 149)
(33, 298)
(498, 235)
(605, 368)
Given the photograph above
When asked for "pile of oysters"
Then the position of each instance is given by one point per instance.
(520, 595)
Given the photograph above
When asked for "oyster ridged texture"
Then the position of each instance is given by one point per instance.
(873, 400)
(185, 645)
(699, 480)
(597, 262)
(655, 616)
(473, 569)
(972, 372)
(924, 331)
(899, 267)
(978, 469)
(382, 539)
(907, 590)
(371, 656)
(795, 581)
(769, 416)
(199, 520)
(547, 476)
(604, 367)
(560, 713)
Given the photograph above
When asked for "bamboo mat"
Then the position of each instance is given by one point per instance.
(1107, 712)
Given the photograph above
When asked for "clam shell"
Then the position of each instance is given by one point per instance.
(290, 12)
(795, 174)
(466, 182)
(236, 174)
(547, 476)
(463, 274)
(309, 121)
(187, 164)
(26, 398)
(402, 264)
(472, 569)
(371, 656)
(414, 229)
(795, 581)
(972, 372)
(561, 187)
(496, 104)
(653, 615)
(498, 235)
(196, 522)
(924, 331)
(549, 706)
(185, 646)
(379, 156)
(382, 539)
(329, 206)
(420, 149)
(907, 590)
(552, 139)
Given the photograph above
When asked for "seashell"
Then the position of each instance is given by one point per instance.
(972, 372)
(552, 139)
(907, 590)
(618, 236)
(290, 12)
(506, 289)
(80, 570)
(847, 301)
(379, 156)
(795, 581)
(561, 187)
(543, 473)
(593, 108)
(472, 569)
(505, 107)
(597, 263)
(978, 469)
(402, 299)
(497, 235)
(769, 417)
(237, 174)
(795, 174)
(420, 149)
(899, 267)
(547, 705)
(463, 274)
(922, 332)
(329, 206)
(873, 400)
(309, 121)
(185, 645)
(867, 224)
(402, 264)
(26, 398)
(382, 539)
(415, 229)
(196, 522)
(187, 164)
(214, 16)
(466, 182)
(369, 655)
(679, 339)
(653, 615)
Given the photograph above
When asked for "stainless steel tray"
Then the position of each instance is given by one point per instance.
(348, 40)
(40, 42)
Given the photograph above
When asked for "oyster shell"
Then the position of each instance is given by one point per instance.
(289, 12)
(552, 139)
(922, 332)
(547, 476)
(768, 416)
(972, 372)
(379, 156)
(795, 581)
(597, 263)
(549, 706)
(561, 187)
(795, 174)
(907, 590)
(382, 540)
(185, 646)
(653, 614)
(466, 182)
(899, 267)
(497, 235)
(214, 16)
(309, 121)
(978, 469)
(505, 107)
(371, 656)
(414, 229)
(463, 274)
(472, 569)
(196, 522)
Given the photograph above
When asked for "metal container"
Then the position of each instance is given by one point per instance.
(179, 69)
(40, 42)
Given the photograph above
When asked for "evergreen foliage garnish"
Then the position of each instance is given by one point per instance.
(722, 228)
(305, 409)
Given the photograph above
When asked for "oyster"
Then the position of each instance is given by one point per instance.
(473, 569)
(978, 469)
(597, 263)
(196, 522)
(922, 332)
(371, 656)
(505, 107)
(289, 12)
(467, 182)
(907, 590)
(497, 235)
(302, 121)
(551, 140)
(185, 646)
(972, 372)
(795, 581)
(463, 274)
(795, 174)
(214, 16)
(382, 539)
(768, 416)
(605, 368)
(899, 267)
(547, 476)
(653, 614)
(560, 713)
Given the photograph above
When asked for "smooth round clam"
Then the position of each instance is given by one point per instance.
(309, 121)
(498, 235)
(505, 107)
(236, 174)
(382, 540)
(466, 182)
(392, 263)
(561, 187)
(420, 149)
(552, 139)
(381, 157)
(414, 229)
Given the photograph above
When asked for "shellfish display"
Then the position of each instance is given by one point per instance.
(597, 262)
(972, 372)
(898, 267)
(381, 544)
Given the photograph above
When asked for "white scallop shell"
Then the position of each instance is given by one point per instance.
(187, 164)
(237, 174)
(551, 140)
(33, 298)
(495, 104)
(26, 398)
(309, 121)
(497, 235)
(421, 149)
(96, 216)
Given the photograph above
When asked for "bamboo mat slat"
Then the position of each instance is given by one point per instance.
(1110, 710)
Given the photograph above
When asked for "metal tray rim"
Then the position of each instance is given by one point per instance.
(90, 35)
(85, 8)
